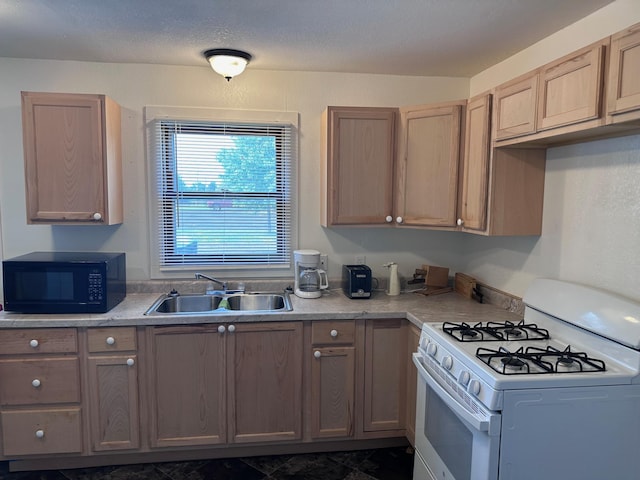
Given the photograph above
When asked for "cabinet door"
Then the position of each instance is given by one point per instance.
(265, 381)
(66, 142)
(357, 170)
(427, 166)
(515, 107)
(332, 392)
(113, 393)
(413, 338)
(475, 170)
(571, 88)
(384, 376)
(187, 392)
(624, 74)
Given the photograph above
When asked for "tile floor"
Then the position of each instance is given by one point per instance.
(380, 464)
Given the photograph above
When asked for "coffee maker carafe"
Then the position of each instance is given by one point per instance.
(310, 280)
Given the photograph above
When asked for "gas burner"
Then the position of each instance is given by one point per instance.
(513, 363)
(494, 331)
(567, 361)
(539, 360)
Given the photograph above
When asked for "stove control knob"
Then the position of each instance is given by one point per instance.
(474, 387)
(464, 377)
(432, 348)
(446, 362)
(423, 343)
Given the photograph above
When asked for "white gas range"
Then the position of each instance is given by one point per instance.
(556, 395)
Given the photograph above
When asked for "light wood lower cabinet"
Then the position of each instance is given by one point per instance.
(215, 384)
(186, 370)
(112, 381)
(40, 393)
(333, 376)
(264, 386)
(384, 377)
(413, 338)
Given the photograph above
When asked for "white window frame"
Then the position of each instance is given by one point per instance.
(153, 116)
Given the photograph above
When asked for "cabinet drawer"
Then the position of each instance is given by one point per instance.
(45, 380)
(38, 340)
(112, 339)
(38, 432)
(337, 332)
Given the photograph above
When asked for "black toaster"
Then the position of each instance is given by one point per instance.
(357, 281)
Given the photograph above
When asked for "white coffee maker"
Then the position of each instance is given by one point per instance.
(310, 280)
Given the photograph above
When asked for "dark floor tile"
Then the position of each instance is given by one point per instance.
(225, 469)
(180, 470)
(389, 464)
(351, 459)
(125, 472)
(311, 467)
(267, 464)
(39, 475)
(358, 475)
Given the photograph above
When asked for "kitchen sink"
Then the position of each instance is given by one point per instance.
(205, 304)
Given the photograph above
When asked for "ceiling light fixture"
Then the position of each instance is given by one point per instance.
(227, 62)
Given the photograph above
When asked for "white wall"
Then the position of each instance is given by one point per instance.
(591, 220)
(134, 86)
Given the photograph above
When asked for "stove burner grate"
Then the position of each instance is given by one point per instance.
(495, 331)
(536, 360)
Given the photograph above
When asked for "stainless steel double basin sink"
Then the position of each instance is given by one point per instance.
(215, 304)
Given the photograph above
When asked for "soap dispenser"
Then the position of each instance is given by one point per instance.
(393, 287)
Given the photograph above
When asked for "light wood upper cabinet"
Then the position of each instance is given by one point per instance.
(72, 152)
(624, 76)
(475, 167)
(427, 165)
(357, 165)
(571, 88)
(502, 188)
(515, 105)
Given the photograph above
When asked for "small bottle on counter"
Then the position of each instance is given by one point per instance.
(393, 286)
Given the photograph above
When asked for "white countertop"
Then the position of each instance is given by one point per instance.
(333, 305)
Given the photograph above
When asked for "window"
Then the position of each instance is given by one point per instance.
(222, 193)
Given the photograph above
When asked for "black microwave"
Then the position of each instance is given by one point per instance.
(64, 282)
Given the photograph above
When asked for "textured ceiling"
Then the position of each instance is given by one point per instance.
(405, 37)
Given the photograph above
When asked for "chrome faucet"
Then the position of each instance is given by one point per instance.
(214, 280)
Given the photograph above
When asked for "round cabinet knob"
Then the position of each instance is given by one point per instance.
(39, 433)
(432, 348)
(334, 333)
(398, 219)
(111, 341)
(388, 219)
(131, 362)
(221, 329)
(97, 216)
(35, 382)
(34, 343)
(317, 354)
(446, 362)
(464, 377)
(474, 387)
(460, 222)
(232, 328)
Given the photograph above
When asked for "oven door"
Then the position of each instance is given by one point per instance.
(454, 441)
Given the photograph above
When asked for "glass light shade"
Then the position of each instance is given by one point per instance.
(227, 62)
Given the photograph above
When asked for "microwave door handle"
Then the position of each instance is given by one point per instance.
(481, 424)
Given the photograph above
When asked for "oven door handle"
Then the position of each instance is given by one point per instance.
(486, 422)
